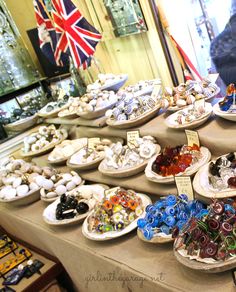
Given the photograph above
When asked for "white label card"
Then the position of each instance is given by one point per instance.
(192, 137)
(132, 136)
(92, 142)
(213, 77)
(111, 191)
(184, 186)
(156, 90)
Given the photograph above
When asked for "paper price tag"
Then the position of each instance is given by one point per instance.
(199, 103)
(111, 192)
(213, 77)
(92, 142)
(156, 90)
(132, 136)
(192, 138)
(184, 186)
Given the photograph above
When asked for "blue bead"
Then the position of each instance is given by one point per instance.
(170, 221)
(182, 216)
(229, 208)
(199, 206)
(150, 218)
(183, 197)
(155, 222)
(148, 208)
(159, 204)
(171, 200)
(180, 224)
(163, 216)
(141, 223)
(148, 233)
(170, 210)
(202, 213)
(165, 229)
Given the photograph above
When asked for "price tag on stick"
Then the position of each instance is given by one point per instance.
(184, 186)
(192, 138)
(132, 136)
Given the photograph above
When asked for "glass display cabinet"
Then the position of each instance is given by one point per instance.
(16, 67)
(126, 16)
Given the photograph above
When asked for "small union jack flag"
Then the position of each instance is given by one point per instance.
(75, 36)
(47, 33)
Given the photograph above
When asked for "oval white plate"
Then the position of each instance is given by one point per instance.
(202, 186)
(225, 115)
(31, 197)
(49, 214)
(114, 234)
(171, 120)
(152, 176)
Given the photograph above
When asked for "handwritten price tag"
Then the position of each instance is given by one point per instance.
(184, 186)
(192, 138)
(132, 137)
(92, 142)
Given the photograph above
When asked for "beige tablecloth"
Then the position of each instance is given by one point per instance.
(124, 264)
(217, 134)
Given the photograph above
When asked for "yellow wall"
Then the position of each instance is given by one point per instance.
(140, 56)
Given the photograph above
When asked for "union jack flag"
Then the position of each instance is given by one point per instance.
(75, 36)
(47, 33)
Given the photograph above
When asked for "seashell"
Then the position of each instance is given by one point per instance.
(67, 176)
(181, 103)
(190, 99)
(93, 102)
(106, 142)
(109, 113)
(22, 190)
(17, 182)
(70, 185)
(39, 180)
(54, 178)
(48, 172)
(61, 182)
(92, 203)
(17, 164)
(51, 195)
(47, 184)
(8, 180)
(60, 190)
(100, 148)
(88, 108)
(33, 186)
(77, 180)
(30, 140)
(121, 117)
(42, 193)
(165, 103)
(32, 177)
(10, 193)
(199, 96)
(37, 169)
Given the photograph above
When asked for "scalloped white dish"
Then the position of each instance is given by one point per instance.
(225, 115)
(171, 122)
(207, 265)
(202, 185)
(126, 172)
(117, 84)
(154, 177)
(49, 213)
(114, 234)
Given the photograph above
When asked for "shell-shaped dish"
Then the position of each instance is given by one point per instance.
(152, 176)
